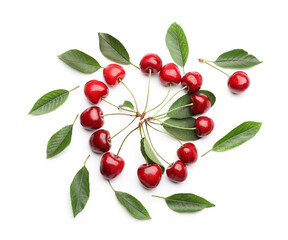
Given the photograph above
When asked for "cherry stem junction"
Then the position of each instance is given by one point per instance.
(131, 95)
(123, 129)
(207, 62)
(124, 109)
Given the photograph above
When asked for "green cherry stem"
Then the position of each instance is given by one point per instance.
(163, 99)
(111, 185)
(74, 89)
(206, 153)
(169, 100)
(75, 119)
(123, 129)
(148, 91)
(131, 94)
(134, 65)
(125, 140)
(117, 106)
(174, 109)
(165, 133)
(125, 114)
(170, 125)
(86, 160)
(207, 62)
(158, 196)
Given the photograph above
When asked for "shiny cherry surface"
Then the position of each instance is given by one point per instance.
(201, 103)
(204, 126)
(100, 141)
(91, 118)
(149, 175)
(95, 90)
(111, 165)
(113, 74)
(187, 153)
(238, 82)
(151, 61)
(193, 81)
(170, 74)
(177, 171)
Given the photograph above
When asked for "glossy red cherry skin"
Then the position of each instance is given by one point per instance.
(204, 126)
(91, 118)
(187, 153)
(111, 165)
(113, 74)
(151, 61)
(238, 82)
(193, 81)
(177, 171)
(149, 175)
(201, 103)
(170, 74)
(95, 90)
(100, 141)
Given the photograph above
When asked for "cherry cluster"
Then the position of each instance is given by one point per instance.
(92, 118)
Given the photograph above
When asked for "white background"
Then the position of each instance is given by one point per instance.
(248, 184)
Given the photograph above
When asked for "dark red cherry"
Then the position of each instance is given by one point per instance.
(201, 103)
(113, 74)
(149, 175)
(111, 165)
(193, 81)
(100, 141)
(177, 171)
(95, 90)
(91, 118)
(170, 74)
(150, 61)
(187, 153)
(238, 82)
(204, 126)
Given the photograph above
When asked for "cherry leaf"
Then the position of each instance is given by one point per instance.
(127, 104)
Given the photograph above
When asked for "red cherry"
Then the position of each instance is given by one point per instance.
(204, 126)
(149, 175)
(113, 74)
(95, 90)
(151, 61)
(100, 141)
(170, 74)
(193, 81)
(201, 103)
(91, 118)
(188, 153)
(238, 82)
(111, 165)
(177, 171)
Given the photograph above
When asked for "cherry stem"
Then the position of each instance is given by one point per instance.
(75, 119)
(86, 160)
(153, 146)
(183, 71)
(123, 129)
(158, 196)
(206, 153)
(169, 100)
(148, 90)
(207, 62)
(111, 185)
(118, 106)
(134, 65)
(165, 133)
(74, 88)
(131, 94)
(162, 101)
(174, 109)
(125, 114)
(183, 128)
(125, 140)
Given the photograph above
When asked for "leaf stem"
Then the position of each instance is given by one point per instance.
(207, 62)
(125, 114)
(148, 90)
(162, 101)
(123, 129)
(74, 89)
(183, 128)
(125, 140)
(75, 119)
(158, 196)
(174, 109)
(111, 185)
(206, 153)
(183, 71)
(131, 94)
(135, 65)
(117, 106)
(86, 160)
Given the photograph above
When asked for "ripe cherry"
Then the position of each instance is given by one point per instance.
(204, 126)
(113, 74)
(187, 153)
(100, 141)
(91, 118)
(95, 90)
(170, 74)
(151, 61)
(177, 171)
(149, 175)
(201, 103)
(238, 82)
(111, 165)
(193, 81)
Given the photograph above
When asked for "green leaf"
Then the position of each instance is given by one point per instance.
(187, 202)
(177, 44)
(49, 102)
(149, 154)
(184, 112)
(127, 104)
(80, 61)
(80, 190)
(59, 141)
(237, 58)
(173, 126)
(133, 205)
(237, 136)
(113, 49)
